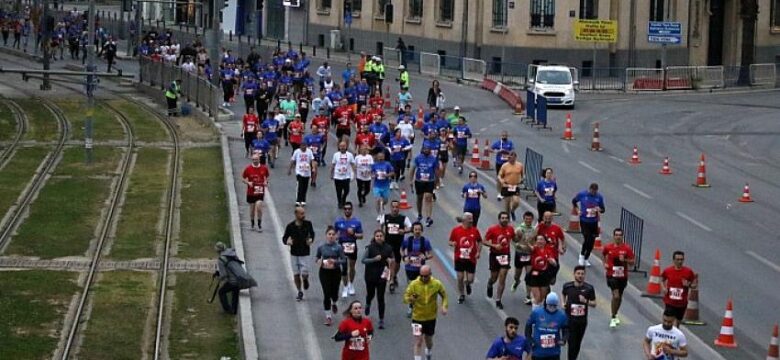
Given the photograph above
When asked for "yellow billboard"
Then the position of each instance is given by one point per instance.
(595, 30)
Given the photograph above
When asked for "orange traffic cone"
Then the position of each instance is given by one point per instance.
(485, 165)
(772, 353)
(595, 145)
(692, 310)
(597, 243)
(518, 108)
(701, 174)
(567, 132)
(475, 153)
(746, 194)
(665, 170)
(654, 284)
(420, 117)
(635, 157)
(726, 336)
(574, 222)
(404, 205)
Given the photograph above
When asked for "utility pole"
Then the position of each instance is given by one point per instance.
(91, 82)
(214, 53)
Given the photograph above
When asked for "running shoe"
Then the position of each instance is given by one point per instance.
(499, 305)
(428, 222)
(328, 321)
(419, 218)
(381, 324)
(303, 203)
(587, 263)
(461, 299)
(515, 285)
(300, 296)
(499, 197)
(333, 308)
(344, 292)
(351, 289)
(613, 323)
(392, 288)
(617, 320)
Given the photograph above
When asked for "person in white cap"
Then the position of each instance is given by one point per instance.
(403, 77)
(379, 69)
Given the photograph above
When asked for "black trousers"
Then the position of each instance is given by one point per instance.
(542, 207)
(249, 102)
(589, 232)
(342, 191)
(171, 105)
(231, 307)
(576, 333)
(364, 187)
(330, 280)
(378, 288)
(303, 188)
(399, 166)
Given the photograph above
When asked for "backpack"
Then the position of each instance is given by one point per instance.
(240, 277)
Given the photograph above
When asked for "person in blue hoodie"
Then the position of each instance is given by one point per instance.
(548, 330)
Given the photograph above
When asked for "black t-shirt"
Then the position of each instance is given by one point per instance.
(576, 310)
(299, 235)
(394, 228)
(374, 270)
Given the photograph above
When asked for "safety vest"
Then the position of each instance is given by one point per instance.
(404, 78)
(380, 70)
(173, 91)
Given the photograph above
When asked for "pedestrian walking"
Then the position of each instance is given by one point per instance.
(172, 93)
(232, 277)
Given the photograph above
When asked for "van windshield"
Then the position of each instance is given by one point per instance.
(554, 77)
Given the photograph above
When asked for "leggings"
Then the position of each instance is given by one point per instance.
(400, 167)
(589, 232)
(576, 333)
(303, 187)
(342, 190)
(330, 280)
(541, 207)
(379, 288)
(364, 187)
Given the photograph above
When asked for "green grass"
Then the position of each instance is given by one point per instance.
(120, 306)
(33, 304)
(200, 330)
(137, 233)
(145, 126)
(17, 173)
(204, 218)
(7, 123)
(105, 125)
(105, 161)
(41, 125)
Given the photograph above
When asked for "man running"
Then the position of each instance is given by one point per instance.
(378, 260)
(270, 128)
(342, 170)
(591, 204)
(395, 226)
(547, 327)
(363, 163)
(502, 147)
(510, 176)
(303, 161)
(462, 136)
(617, 258)
(398, 147)
(465, 240)
(553, 233)
(249, 126)
(510, 345)
(424, 171)
(299, 235)
(676, 281)
(525, 236)
(665, 341)
(423, 294)
(255, 177)
(382, 172)
(498, 239)
(350, 230)
(578, 296)
(472, 191)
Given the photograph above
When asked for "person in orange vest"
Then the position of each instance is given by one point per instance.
(362, 63)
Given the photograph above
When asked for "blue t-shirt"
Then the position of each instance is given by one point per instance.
(403, 99)
(262, 145)
(547, 189)
(250, 87)
(514, 350)
(472, 192)
(343, 224)
(590, 206)
(433, 145)
(335, 96)
(351, 94)
(381, 173)
(270, 78)
(442, 123)
(397, 149)
(462, 135)
(502, 149)
(314, 142)
(547, 332)
(270, 126)
(347, 74)
(416, 248)
(362, 93)
(379, 130)
(425, 167)
(428, 127)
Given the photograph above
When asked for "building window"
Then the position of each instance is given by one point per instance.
(499, 14)
(446, 10)
(775, 15)
(415, 9)
(380, 7)
(589, 9)
(657, 8)
(542, 13)
(357, 6)
(323, 5)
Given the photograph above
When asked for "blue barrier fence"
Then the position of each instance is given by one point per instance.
(541, 111)
(633, 226)
(533, 169)
(536, 109)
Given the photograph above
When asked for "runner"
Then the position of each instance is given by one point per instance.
(381, 172)
(363, 163)
(249, 126)
(364, 138)
(295, 129)
(462, 136)
(546, 190)
(350, 230)
(399, 147)
(553, 233)
(591, 204)
(323, 124)
(260, 146)
(423, 294)
(270, 128)
(677, 280)
(250, 88)
(445, 145)
(472, 192)
(299, 235)
(525, 237)
(289, 108)
(342, 171)
(255, 177)
(465, 240)
(330, 259)
(315, 141)
(379, 261)
(415, 250)
(664, 341)
(577, 297)
(498, 239)
(424, 171)
(547, 327)
(511, 346)
(617, 258)
(537, 279)
(356, 331)
(510, 176)
(303, 161)
(343, 117)
(395, 226)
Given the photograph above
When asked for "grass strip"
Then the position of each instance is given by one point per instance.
(17, 173)
(33, 304)
(204, 217)
(105, 160)
(105, 125)
(200, 330)
(7, 123)
(41, 125)
(145, 126)
(120, 306)
(137, 234)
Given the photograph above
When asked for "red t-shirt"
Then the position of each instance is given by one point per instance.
(376, 100)
(466, 242)
(365, 139)
(343, 115)
(612, 253)
(250, 123)
(677, 293)
(356, 348)
(503, 235)
(296, 132)
(322, 122)
(363, 119)
(257, 176)
(554, 235)
(540, 259)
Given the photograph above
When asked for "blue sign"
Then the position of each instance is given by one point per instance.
(664, 32)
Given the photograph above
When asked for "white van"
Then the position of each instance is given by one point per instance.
(554, 82)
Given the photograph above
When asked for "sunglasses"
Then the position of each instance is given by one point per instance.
(425, 276)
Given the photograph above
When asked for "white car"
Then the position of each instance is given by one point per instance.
(555, 83)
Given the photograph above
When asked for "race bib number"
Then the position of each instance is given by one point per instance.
(392, 229)
(461, 134)
(425, 177)
(250, 128)
(416, 329)
(465, 253)
(315, 149)
(349, 248)
(396, 148)
(344, 121)
(577, 310)
(385, 273)
(473, 193)
(258, 190)
(591, 212)
(548, 191)
(504, 157)
(270, 83)
(525, 257)
(547, 341)
(618, 271)
(328, 263)
(415, 261)
(443, 147)
(511, 187)
(304, 105)
(357, 343)
(381, 175)
(676, 293)
(303, 167)
(364, 173)
(503, 260)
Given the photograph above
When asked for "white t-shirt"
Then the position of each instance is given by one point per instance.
(280, 118)
(342, 165)
(302, 161)
(407, 130)
(363, 167)
(659, 336)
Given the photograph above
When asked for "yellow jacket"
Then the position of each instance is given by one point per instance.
(425, 304)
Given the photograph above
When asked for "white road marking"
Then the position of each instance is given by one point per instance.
(492, 125)
(597, 171)
(639, 192)
(764, 260)
(565, 147)
(504, 120)
(694, 221)
(483, 129)
(613, 157)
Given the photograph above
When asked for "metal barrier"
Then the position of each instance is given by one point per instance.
(602, 79)
(633, 226)
(194, 88)
(679, 77)
(533, 166)
(430, 64)
(392, 57)
(541, 111)
(474, 69)
(763, 74)
(644, 79)
(709, 77)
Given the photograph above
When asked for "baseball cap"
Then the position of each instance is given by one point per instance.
(552, 299)
(401, 67)
(456, 107)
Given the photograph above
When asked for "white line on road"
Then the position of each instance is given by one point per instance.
(639, 192)
(483, 129)
(565, 147)
(764, 260)
(504, 120)
(597, 171)
(492, 125)
(613, 157)
(694, 221)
